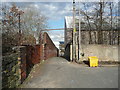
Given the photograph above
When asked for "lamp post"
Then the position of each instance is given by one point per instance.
(74, 31)
(79, 34)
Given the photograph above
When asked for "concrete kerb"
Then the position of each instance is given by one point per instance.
(100, 63)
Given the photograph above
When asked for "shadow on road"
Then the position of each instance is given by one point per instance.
(86, 62)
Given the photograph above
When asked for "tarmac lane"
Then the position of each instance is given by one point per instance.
(57, 72)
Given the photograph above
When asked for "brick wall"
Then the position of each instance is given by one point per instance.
(50, 49)
(33, 56)
(23, 63)
(17, 66)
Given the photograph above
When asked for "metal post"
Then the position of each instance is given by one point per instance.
(74, 31)
(79, 34)
(71, 52)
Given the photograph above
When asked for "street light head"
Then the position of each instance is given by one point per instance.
(73, 1)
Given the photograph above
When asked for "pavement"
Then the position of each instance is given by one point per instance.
(57, 72)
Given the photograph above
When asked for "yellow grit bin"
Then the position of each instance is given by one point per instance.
(93, 61)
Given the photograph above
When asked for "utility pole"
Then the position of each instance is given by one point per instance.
(19, 25)
(74, 33)
(19, 29)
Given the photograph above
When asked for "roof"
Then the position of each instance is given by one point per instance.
(61, 42)
(69, 21)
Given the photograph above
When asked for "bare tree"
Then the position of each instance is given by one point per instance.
(99, 19)
(111, 24)
(34, 21)
(14, 21)
(10, 25)
(89, 26)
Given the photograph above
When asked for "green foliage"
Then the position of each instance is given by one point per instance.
(10, 71)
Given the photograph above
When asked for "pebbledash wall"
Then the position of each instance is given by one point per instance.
(17, 66)
(103, 52)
